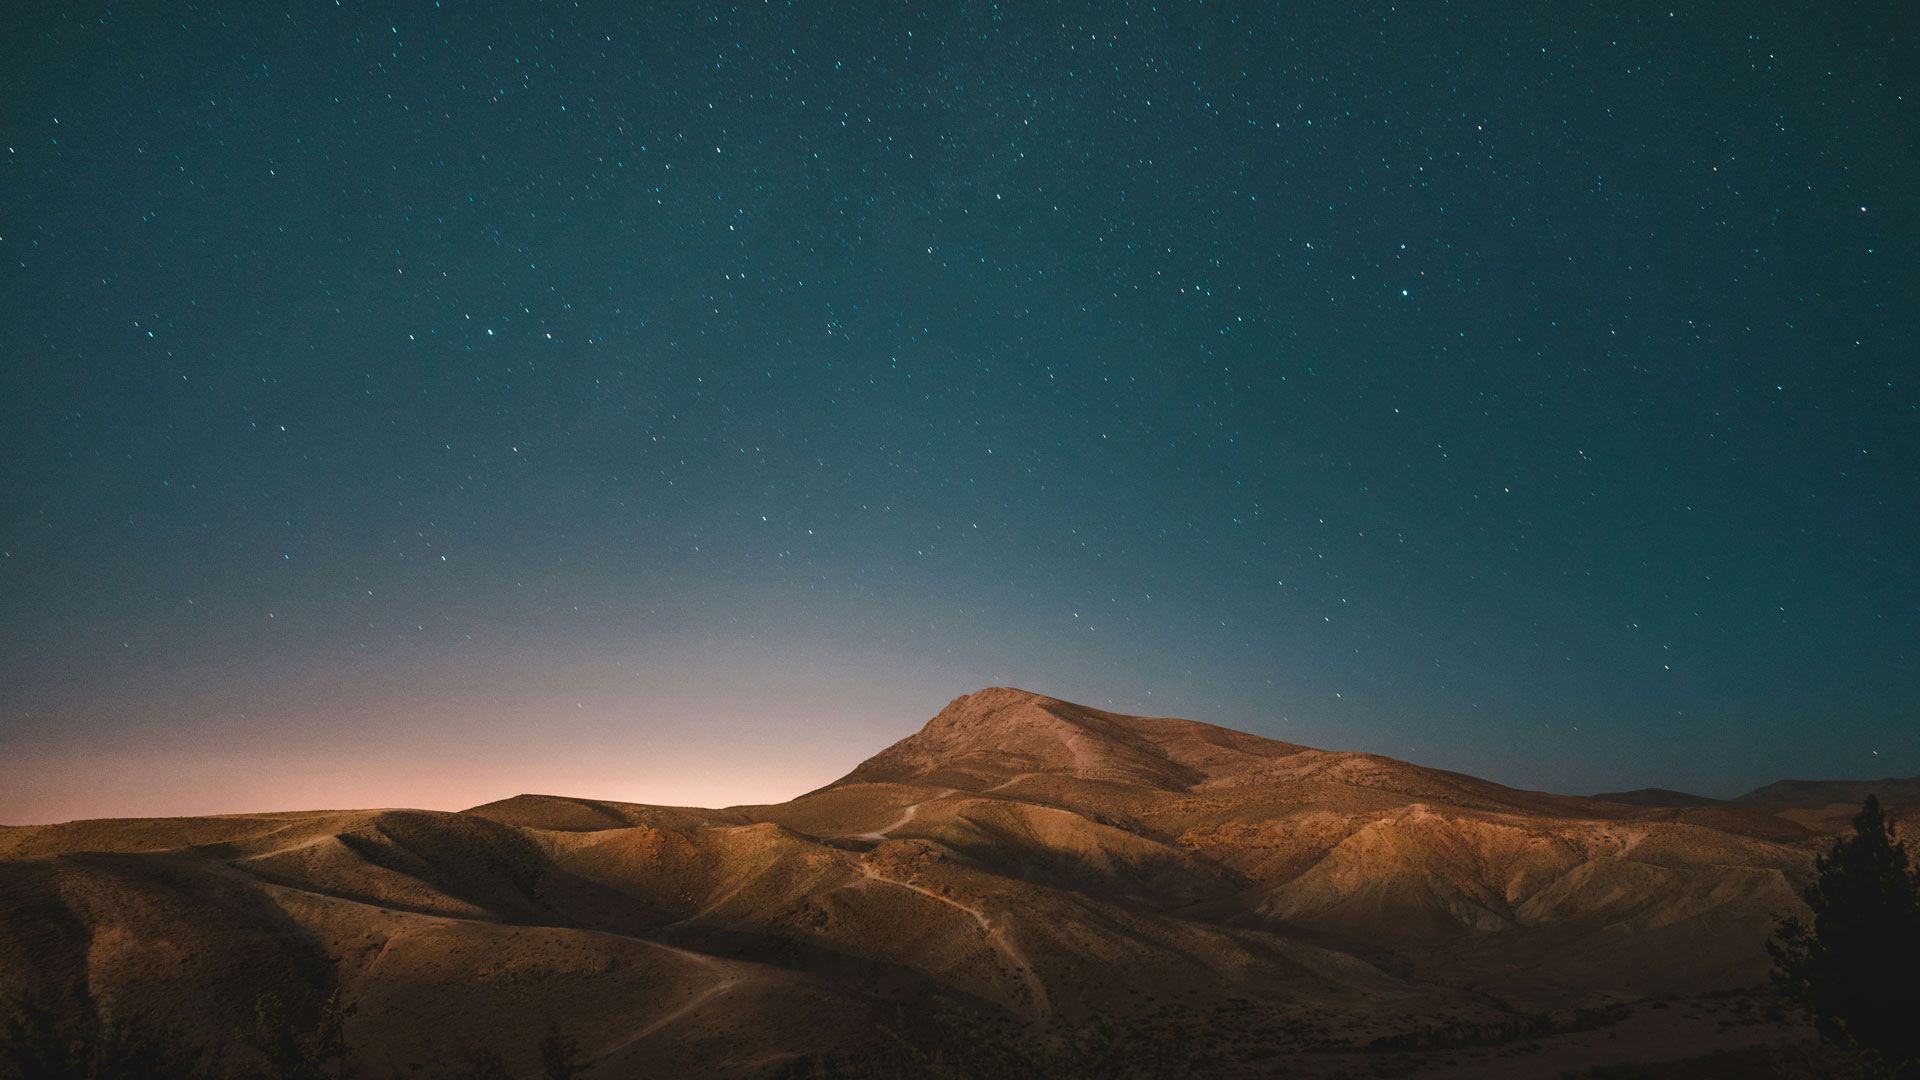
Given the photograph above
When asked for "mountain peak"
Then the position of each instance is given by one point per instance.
(993, 735)
(987, 739)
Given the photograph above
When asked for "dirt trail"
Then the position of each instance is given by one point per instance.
(311, 841)
(998, 939)
(727, 981)
(1076, 741)
(881, 834)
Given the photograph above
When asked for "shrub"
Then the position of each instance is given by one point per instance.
(1852, 967)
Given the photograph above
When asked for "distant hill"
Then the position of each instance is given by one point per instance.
(1810, 794)
(1653, 796)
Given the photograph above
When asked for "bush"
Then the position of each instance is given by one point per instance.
(303, 1044)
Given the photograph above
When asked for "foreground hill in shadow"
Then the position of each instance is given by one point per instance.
(1025, 857)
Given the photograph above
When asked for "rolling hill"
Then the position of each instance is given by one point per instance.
(1037, 859)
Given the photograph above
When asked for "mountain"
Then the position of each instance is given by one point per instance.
(1654, 796)
(993, 739)
(1811, 794)
(1040, 860)
(1828, 806)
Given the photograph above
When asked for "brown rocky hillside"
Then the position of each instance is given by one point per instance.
(1038, 859)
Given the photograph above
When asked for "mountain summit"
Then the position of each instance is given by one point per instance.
(993, 738)
(994, 735)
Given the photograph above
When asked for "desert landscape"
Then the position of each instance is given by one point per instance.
(472, 476)
(1269, 908)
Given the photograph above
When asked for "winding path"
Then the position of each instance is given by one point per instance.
(996, 937)
(881, 834)
(727, 981)
(1008, 782)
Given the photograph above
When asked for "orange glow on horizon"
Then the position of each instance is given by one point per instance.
(122, 785)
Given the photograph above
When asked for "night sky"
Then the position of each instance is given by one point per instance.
(408, 405)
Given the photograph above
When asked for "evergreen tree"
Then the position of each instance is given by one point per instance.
(1854, 968)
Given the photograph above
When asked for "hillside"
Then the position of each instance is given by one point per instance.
(1040, 859)
(1809, 794)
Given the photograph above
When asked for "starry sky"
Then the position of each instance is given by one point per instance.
(416, 405)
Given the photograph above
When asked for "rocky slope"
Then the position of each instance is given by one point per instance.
(1036, 857)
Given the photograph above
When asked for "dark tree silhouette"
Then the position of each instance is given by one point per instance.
(1854, 968)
